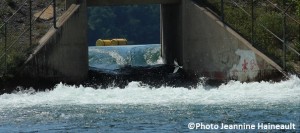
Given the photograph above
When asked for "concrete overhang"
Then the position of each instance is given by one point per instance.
(128, 2)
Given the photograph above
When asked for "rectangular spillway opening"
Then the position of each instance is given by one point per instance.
(116, 57)
(138, 28)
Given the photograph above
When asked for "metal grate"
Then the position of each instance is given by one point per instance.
(18, 35)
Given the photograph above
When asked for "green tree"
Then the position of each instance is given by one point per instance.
(138, 24)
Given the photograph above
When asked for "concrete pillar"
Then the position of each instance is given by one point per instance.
(212, 49)
(62, 54)
(171, 23)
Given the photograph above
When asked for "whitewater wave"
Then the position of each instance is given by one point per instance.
(115, 57)
(234, 92)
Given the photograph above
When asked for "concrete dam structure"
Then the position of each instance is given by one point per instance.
(191, 34)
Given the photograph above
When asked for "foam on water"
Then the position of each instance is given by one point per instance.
(114, 57)
(234, 92)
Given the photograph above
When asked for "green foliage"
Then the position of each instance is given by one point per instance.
(138, 24)
(11, 3)
(17, 47)
(297, 5)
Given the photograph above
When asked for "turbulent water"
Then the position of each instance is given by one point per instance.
(142, 108)
(112, 57)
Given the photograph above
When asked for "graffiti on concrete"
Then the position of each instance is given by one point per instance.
(247, 67)
(245, 64)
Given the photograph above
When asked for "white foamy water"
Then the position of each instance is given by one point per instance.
(234, 92)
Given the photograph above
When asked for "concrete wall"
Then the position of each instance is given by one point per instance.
(62, 53)
(212, 49)
(171, 36)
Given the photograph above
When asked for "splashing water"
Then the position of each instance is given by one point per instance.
(234, 92)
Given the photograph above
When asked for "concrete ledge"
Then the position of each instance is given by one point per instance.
(62, 53)
(52, 31)
(72, 9)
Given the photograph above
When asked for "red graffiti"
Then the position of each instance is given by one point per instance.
(245, 66)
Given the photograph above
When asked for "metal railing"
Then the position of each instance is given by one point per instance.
(247, 18)
(16, 38)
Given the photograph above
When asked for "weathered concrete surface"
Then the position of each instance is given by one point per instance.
(190, 34)
(128, 2)
(62, 53)
(212, 49)
(171, 32)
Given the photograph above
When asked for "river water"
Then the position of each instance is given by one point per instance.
(139, 107)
